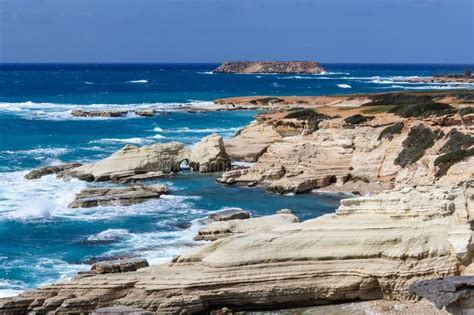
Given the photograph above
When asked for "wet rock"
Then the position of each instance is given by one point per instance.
(146, 176)
(99, 113)
(93, 197)
(456, 293)
(116, 266)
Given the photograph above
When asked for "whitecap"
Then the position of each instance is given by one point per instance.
(109, 235)
(134, 140)
(157, 129)
(205, 72)
(87, 82)
(344, 86)
(138, 81)
(158, 136)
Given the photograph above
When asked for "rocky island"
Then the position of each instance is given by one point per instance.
(296, 67)
(405, 233)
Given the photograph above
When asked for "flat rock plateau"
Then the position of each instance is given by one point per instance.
(403, 239)
(296, 67)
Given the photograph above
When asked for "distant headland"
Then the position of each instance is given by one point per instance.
(296, 67)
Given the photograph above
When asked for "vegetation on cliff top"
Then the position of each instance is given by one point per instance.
(390, 131)
(456, 149)
(357, 119)
(420, 138)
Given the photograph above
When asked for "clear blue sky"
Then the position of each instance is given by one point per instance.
(391, 31)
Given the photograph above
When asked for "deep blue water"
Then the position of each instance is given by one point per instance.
(41, 240)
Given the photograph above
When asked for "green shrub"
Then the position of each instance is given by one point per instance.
(445, 161)
(420, 138)
(457, 141)
(390, 131)
(358, 119)
(466, 110)
(312, 117)
(423, 110)
(268, 100)
(399, 98)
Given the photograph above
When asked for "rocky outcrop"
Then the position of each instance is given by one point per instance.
(220, 229)
(455, 293)
(100, 113)
(251, 142)
(229, 214)
(209, 155)
(371, 248)
(93, 197)
(131, 161)
(113, 113)
(121, 265)
(48, 170)
(298, 67)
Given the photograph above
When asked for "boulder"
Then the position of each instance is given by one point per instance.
(48, 170)
(131, 160)
(456, 293)
(121, 265)
(209, 155)
(93, 197)
(229, 214)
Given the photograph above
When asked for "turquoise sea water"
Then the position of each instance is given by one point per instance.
(41, 240)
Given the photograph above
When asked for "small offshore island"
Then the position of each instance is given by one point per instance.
(291, 67)
(409, 236)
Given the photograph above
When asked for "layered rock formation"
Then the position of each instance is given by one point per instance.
(209, 155)
(371, 248)
(48, 170)
(297, 67)
(113, 113)
(123, 196)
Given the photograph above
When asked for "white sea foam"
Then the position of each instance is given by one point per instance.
(46, 197)
(205, 72)
(38, 152)
(344, 86)
(134, 140)
(201, 130)
(109, 235)
(157, 129)
(11, 288)
(87, 82)
(138, 81)
(58, 111)
(158, 136)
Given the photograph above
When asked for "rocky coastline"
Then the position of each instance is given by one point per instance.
(409, 157)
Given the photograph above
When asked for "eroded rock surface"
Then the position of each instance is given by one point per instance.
(93, 197)
(229, 214)
(209, 155)
(371, 248)
(455, 293)
(48, 170)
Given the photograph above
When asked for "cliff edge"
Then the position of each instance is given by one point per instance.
(300, 67)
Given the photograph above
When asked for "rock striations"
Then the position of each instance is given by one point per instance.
(297, 67)
(371, 248)
(411, 155)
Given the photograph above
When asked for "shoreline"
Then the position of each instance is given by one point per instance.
(297, 133)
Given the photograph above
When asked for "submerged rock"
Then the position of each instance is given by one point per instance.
(48, 170)
(148, 112)
(93, 197)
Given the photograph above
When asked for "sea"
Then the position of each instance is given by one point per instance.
(43, 241)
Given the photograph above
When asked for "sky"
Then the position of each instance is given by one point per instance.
(329, 31)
